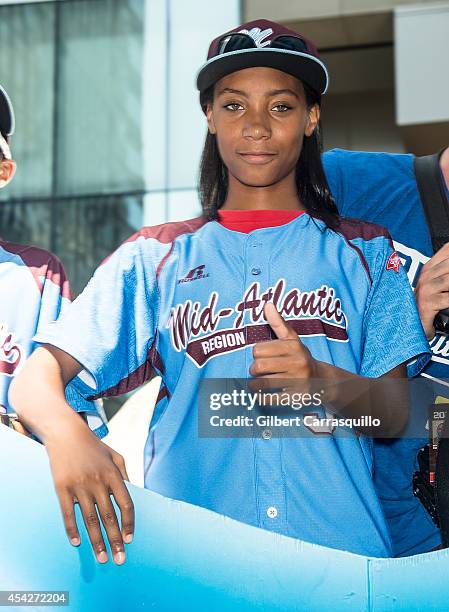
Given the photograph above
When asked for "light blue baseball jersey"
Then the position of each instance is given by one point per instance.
(185, 301)
(381, 188)
(33, 291)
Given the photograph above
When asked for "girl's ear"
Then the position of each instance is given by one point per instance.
(7, 171)
(210, 119)
(312, 120)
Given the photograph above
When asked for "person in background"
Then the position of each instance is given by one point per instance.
(381, 188)
(34, 290)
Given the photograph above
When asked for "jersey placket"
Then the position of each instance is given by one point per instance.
(269, 477)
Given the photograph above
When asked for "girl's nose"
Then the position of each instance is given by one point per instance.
(256, 126)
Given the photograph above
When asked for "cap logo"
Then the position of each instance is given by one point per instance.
(257, 34)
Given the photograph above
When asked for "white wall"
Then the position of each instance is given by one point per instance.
(421, 64)
(23, 1)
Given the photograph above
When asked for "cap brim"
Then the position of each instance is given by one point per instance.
(6, 114)
(305, 67)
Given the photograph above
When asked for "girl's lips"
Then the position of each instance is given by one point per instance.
(257, 158)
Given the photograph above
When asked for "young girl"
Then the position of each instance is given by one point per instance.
(268, 284)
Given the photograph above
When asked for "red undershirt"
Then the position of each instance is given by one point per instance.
(246, 221)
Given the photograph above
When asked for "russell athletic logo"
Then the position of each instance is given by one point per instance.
(194, 274)
(10, 352)
(310, 313)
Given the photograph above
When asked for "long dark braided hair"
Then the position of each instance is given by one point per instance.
(311, 182)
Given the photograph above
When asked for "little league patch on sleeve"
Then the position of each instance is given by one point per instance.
(393, 262)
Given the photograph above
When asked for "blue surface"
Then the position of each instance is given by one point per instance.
(188, 558)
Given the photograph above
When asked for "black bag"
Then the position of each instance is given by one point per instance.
(434, 198)
(436, 207)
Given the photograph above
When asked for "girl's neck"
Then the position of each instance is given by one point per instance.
(280, 196)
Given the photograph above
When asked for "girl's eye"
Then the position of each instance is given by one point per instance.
(284, 107)
(232, 104)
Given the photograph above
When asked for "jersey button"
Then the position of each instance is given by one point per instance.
(255, 271)
(272, 512)
(267, 434)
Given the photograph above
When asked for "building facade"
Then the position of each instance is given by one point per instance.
(109, 130)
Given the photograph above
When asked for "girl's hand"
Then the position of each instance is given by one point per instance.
(288, 364)
(285, 359)
(88, 472)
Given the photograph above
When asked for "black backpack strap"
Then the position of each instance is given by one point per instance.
(434, 197)
(442, 483)
(436, 207)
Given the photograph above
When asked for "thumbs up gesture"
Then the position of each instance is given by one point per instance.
(283, 358)
(287, 363)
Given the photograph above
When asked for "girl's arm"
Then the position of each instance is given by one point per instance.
(109, 331)
(353, 396)
(288, 361)
(84, 469)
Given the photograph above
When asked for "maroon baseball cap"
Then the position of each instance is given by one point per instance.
(263, 43)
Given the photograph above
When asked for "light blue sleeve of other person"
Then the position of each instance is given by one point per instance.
(381, 188)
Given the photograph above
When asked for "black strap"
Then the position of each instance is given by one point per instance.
(442, 483)
(436, 207)
(434, 197)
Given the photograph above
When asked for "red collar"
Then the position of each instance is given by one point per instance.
(246, 221)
